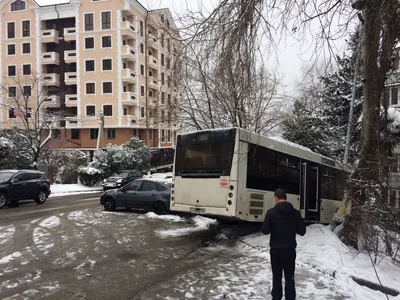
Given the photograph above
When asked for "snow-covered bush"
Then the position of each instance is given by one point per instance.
(132, 155)
(90, 176)
(6, 148)
(72, 161)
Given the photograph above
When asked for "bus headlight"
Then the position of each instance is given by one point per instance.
(231, 187)
(230, 195)
(229, 202)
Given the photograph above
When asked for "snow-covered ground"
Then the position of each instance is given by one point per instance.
(78, 241)
(72, 189)
(321, 251)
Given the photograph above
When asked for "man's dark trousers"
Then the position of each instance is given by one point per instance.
(283, 259)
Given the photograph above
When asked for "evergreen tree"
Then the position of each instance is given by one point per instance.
(321, 124)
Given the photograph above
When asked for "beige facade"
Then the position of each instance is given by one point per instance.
(90, 58)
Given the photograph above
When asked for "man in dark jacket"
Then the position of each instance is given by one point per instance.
(283, 222)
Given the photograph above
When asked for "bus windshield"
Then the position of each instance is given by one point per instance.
(205, 153)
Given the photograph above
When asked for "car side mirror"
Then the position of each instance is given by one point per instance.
(14, 180)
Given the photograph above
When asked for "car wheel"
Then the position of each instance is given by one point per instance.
(41, 197)
(159, 208)
(3, 200)
(109, 205)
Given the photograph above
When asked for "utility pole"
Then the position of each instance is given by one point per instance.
(100, 135)
(353, 97)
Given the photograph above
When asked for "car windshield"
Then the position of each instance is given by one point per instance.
(4, 176)
(120, 174)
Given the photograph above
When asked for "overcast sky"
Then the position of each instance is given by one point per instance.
(287, 63)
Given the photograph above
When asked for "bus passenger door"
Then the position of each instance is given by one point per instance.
(309, 196)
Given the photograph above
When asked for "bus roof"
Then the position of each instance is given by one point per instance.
(281, 145)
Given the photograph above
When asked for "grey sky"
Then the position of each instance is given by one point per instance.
(287, 63)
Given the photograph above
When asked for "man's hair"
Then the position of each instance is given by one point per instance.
(280, 194)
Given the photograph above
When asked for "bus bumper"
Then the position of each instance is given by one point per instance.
(198, 210)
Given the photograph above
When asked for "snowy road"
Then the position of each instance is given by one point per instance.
(71, 249)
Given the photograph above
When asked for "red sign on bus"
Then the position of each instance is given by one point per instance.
(224, 182)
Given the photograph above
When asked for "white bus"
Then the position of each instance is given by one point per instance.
(233, 173)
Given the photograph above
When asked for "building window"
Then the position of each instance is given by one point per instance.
(141, 27)
(163, 136)
(26, 28)
(110, 133)
(162, 18)
(75, 134)
(162, 97)
(150, 134)
(107, 64)
(142, 112)
(169, 81)
(11, 49)
(12, 71)
(94, 133)
(12, 91)
(141, 70)
(28, 113)
(26, 48)
(91, 110)
(168, 63)
(11, 30)
(11, 113)
(395, 95)
(141, 48)
(107, 87)
(162, 59)
(90, 88)
(106, 20)
(26, 70)
(162, 40)
(108, 110)
(169, 45)
(27, 90)
(89, 66)
(162, 116)
(89, 23)
(142, 90)
(89, 43)
(106, 41)
(169, 99)
(18, 5)
(169, 136)
(162, 78)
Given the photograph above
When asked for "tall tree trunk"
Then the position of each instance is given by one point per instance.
(369, 155)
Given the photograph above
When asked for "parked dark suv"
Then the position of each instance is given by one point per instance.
(121, 178)
(18, 185)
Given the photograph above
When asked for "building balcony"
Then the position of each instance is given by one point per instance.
(127, 29)
(153, 83)
(152, 41)
(70, 56)
(51, 101)
(129, 120)
(50, 58)
(71, 78)
(129, 98)
(152, 62)
(128, 75)
(50, 36)
(54, 124)
(69, 34)
(51, 79)
(71, 122)
(128, 52)
(71, 100)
